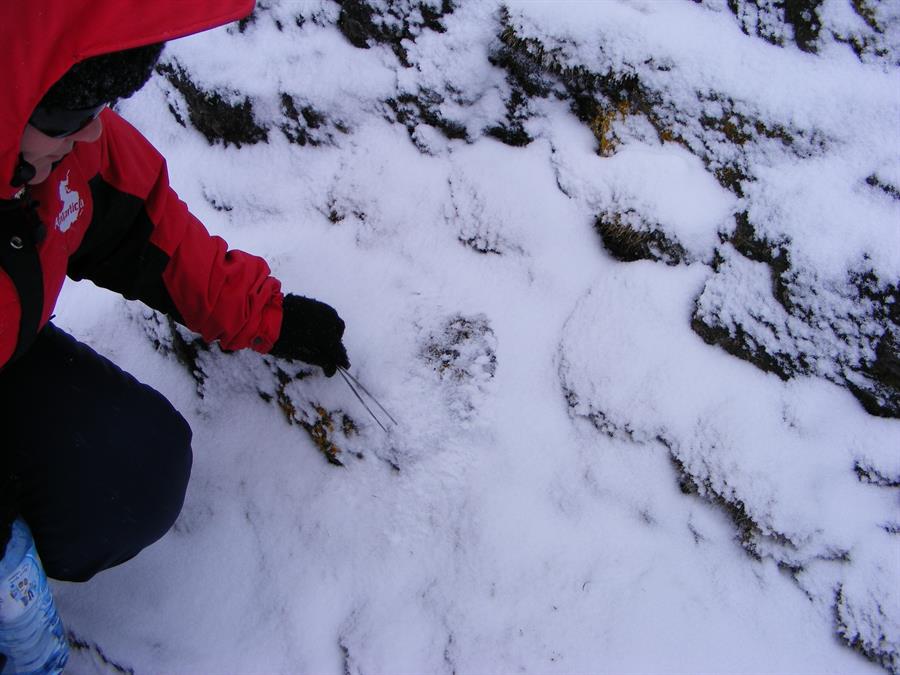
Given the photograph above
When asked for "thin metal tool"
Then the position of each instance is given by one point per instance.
(350, 380)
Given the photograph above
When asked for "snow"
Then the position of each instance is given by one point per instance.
(566, 486)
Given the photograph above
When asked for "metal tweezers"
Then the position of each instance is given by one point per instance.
(350, 380)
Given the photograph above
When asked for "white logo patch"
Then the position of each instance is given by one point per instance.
(72, 203)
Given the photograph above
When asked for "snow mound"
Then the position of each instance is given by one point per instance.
(625, 273)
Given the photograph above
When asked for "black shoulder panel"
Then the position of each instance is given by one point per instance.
(116, 252)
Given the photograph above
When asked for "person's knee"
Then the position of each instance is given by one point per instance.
(181, 460)
(108, 477)
(130, 511)
(173, 475)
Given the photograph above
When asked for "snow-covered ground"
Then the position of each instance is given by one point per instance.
(585, 476)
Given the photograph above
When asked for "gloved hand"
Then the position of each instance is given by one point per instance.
(311, 331)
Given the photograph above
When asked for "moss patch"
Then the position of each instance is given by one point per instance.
(628, 238)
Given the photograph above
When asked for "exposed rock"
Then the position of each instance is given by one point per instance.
(411, 110)
(511, 130)
(523, 61)
(722, 132)
(879, 391)
(803, 16)
(869, 474)
(762, 18)
(629, 237)
(780, 21)
(605, 423)
(597, 99)
(305, 125)
(807, 23)
(480, 241)
(749, 244)
(861, 625)
(791, 322)
(858, 321)
(228, 116)
(368, 22)
(836, 328)
(247, 21)
(219, 116)
(753, 537)
(732, 133)
(884, 186)
(879, 39)
(755, 534)
(265, 8)
(285, 16)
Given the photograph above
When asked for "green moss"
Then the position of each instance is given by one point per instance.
(326, 428)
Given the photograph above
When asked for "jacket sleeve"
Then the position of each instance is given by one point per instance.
(144, 243)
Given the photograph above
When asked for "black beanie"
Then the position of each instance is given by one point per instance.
(103, 79)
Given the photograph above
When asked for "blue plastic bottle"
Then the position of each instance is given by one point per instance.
(31, 634)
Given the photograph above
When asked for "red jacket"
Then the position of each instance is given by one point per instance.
(106, 212)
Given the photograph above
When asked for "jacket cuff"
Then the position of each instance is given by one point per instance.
(269, 326)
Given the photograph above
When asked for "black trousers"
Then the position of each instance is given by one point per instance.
(100, 462)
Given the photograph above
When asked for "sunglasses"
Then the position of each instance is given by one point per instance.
(59, 122)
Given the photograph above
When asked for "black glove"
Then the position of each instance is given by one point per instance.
(311, 331)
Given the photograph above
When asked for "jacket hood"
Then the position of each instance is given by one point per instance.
(41, 39)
